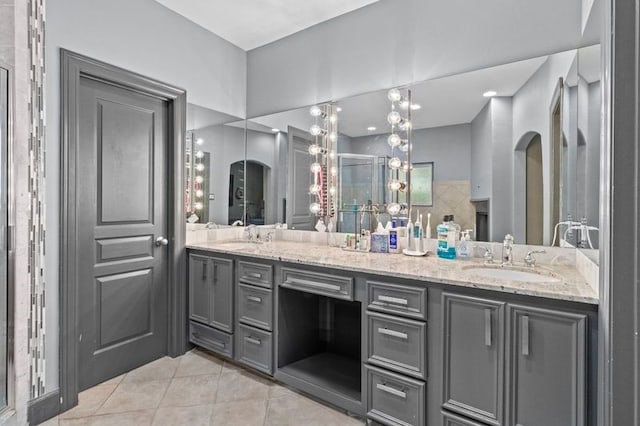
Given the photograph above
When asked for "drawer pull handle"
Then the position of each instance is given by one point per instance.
(392, 391)
(487, 327)
(306, 283)
(525, 335)
(254, 299)
(393, 333)
(254, 275)
(253, 340)
(394, 300)
(213, 342)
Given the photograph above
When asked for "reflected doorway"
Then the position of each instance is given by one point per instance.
(236, 192)
(255, 195)
(534, 185)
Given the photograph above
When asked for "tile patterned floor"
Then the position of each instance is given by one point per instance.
(196, 389)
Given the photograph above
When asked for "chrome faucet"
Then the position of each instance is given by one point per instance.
(237, 223)
(507, 250)
(251, 233)
(488, 255)
(529, 260)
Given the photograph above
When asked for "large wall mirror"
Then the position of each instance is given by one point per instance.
(511, 149)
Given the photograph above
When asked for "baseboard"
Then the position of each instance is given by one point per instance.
(43, 408)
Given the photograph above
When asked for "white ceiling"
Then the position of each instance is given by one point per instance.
(253, 23)
(445, 101)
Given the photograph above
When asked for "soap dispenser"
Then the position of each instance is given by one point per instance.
(464, 248)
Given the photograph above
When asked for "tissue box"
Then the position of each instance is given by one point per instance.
(379, 243)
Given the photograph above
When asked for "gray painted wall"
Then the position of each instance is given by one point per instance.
(481, 158)
(448, 147)
(391, 43)
(144, 37)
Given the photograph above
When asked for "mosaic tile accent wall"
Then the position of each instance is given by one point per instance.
(36, 191)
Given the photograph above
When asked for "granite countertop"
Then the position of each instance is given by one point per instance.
(571, 287)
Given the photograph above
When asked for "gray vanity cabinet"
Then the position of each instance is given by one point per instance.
(211, 303)
(473, 357)
(546, 367)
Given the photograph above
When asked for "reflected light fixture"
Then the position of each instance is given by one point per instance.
(275, 130)
(371, 128)
(489, 93)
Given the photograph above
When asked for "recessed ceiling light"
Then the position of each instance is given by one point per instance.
(371, 128)
(489, 93)
(415, 106)
(338, 109)
(275, 130)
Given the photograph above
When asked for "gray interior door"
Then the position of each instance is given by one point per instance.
(121, 211)
(298, 215)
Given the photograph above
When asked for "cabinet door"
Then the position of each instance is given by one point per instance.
(547, 367)
(222, 294)
(473, 357)
(199, 289)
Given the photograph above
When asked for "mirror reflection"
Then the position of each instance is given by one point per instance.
(507, 148)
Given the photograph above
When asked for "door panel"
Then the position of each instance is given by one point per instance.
(199, 289)
(222, 294)
(547, 367)
(298, 215)
(122, 207)
(473, 357)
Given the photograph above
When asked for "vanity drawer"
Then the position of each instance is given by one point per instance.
(318, 283)
(397, 344)
(397, 299)
(253, 348)
(393, 399)
(210, 338)
(449, 419)
(255, 306)
(255, 274)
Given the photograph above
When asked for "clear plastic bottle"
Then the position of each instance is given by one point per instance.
(446, 239)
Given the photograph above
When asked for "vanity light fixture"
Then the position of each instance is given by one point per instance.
(324, 129)
(400, 138)
(489, 93)
(371, 128)
(275, 130)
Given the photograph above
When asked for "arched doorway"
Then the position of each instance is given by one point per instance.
(534, 194)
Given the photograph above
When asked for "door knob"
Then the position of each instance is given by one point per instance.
(161, 241)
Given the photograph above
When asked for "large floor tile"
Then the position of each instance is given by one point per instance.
(136, 418)
(89, 401)
(135, 397)
(115, 381)
(163, 368)
(295, 409)
(191, 390)
(241, 413)
(198, 362)
(241, 386)
(173, 416)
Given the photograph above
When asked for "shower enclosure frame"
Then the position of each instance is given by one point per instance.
(9, 174)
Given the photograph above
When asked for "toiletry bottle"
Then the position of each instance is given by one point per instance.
(417, 235)
(445, 251)
(409, 234)
(393, 241)
(464, 249)
(427, 231)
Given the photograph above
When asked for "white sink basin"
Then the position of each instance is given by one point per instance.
(511, 274)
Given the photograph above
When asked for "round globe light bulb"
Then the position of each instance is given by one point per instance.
(199, 154)
(332, 190)
(333, 137)
(199, 141)
(394, 117)
(199, 179)
(334, 171)
(200, 167)
(393, 208)
(405, 125)
(315, 149)
(315, 111)
(333, 119)
(404, 147)
(315, 130)
(197, 206)
(316, 168)
(332, 155)
(199, 193)
(394, 185)
(394, 140)
(314, 189)
(394, 95)
(395, 163)
(314, 208)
